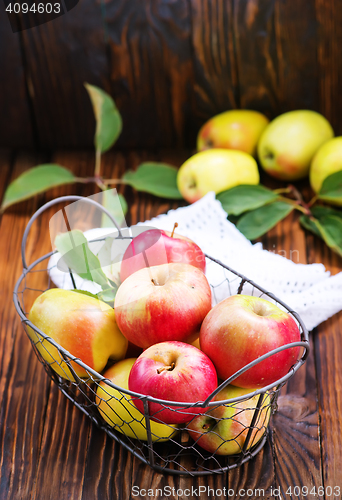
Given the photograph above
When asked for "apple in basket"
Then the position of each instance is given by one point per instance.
(223, 429)
(155, 247)
(173, 371)
(242, 328)
(83, 325)
(119, 411)
(160, 303)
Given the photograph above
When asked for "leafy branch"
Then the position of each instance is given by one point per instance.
(156, 178)
(254, 209)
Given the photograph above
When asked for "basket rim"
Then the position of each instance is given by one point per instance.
(304, 343)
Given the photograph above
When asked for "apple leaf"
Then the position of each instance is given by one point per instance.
(77, 256)
(257, 222)
(34, 181)
(331, 189)
(156, 178)
(330, 228)
(243, 198)
(327, 226)
(117, 206)
(309, 223)
(108, 118)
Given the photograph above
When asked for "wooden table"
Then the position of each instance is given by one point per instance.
(50, 450)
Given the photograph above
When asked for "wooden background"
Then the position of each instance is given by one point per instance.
(170, 65)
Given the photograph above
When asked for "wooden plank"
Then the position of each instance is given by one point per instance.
(58, 64)
(275, 73)
(295, 427)
(22, 383)
(329, 17)
(151, 71)
(16, 126)
(327, 344)
(216, 86)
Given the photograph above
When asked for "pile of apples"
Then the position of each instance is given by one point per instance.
(294, 145)
(183, 347)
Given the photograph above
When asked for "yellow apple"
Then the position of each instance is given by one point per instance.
(119, 410)
(84, 326)
(288, 144)
(215, 170)
(223, 429)
(235, 129)
(326, 161)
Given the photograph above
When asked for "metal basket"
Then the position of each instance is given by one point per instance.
(180, 453)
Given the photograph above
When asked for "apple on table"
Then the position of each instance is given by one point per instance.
(119, 411)
(242, 328)
(327, 161)
(215, 170)
(234, 129)
(160, 303)
(154, 247)
(223, 429)
(288, 144)
(176, 372)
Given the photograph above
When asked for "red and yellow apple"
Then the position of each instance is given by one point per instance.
(160, 303)
(215, 170)
(155, 247)
(288, 144)
(119, 410)
(176, 372)
(84, 326)
(242, 328)
(223, 429)
(234, 129)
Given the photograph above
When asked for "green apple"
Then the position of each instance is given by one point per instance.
(223, 429)
(215, 170)
(326, 161)
(288, 144)
(119, 410)
(83, 325)
(235, 129)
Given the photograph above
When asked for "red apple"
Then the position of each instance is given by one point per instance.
(242, 328)
(173, 371)
(160, 303)
(155, 247)
(223, 429)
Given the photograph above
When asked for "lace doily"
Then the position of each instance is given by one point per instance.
(306, 288)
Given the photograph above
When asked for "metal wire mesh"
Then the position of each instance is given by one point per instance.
(179, 449)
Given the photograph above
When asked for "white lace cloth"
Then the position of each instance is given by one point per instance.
(308, 289)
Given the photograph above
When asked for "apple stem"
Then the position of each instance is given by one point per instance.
(173, 230)
(169, 368)
(155, 282)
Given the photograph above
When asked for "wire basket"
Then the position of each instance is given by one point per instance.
(166, 448)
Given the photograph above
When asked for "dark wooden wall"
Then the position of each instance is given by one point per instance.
(170, 65)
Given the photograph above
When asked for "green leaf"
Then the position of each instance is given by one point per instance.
(331, 189)
(107, 116)
(319, 211)
(76, 255)
(330, 228)
(117, 206)
(84, 292)
(257, 222)
(240, 199)
(36, 180)
(310, 224)
(159, 179)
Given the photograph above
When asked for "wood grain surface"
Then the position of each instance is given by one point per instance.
(50, 450)
(170, 65)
